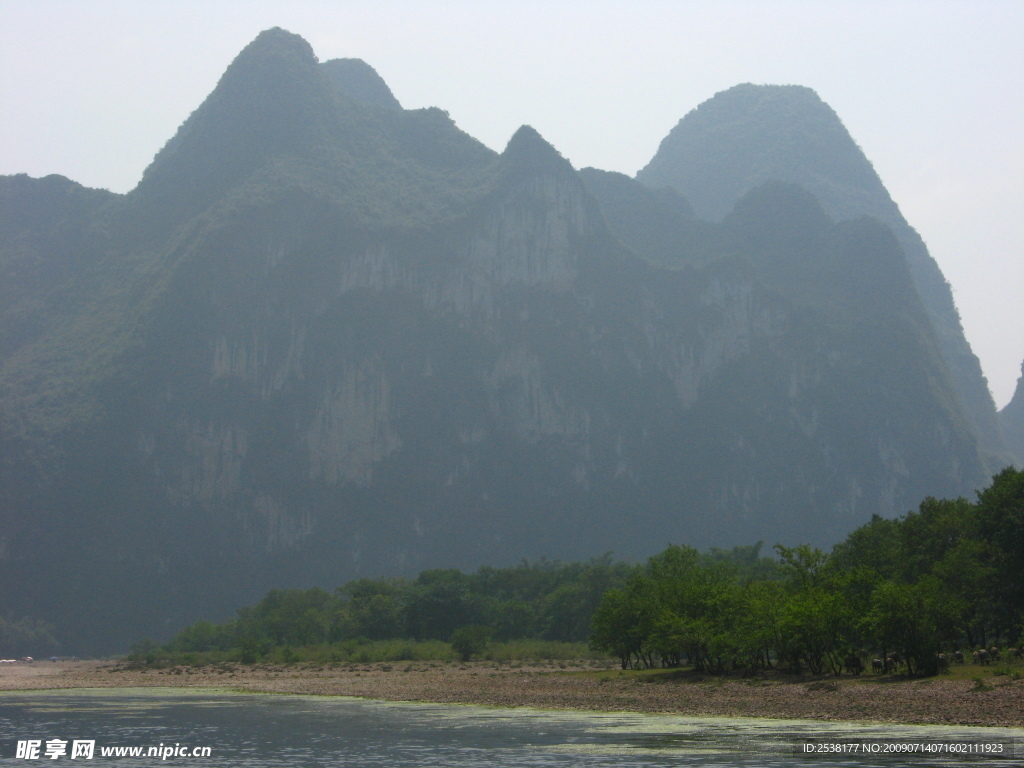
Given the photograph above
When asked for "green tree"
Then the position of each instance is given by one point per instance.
(623, 624)
(927, 535)
(374, 609)
(906, 618)
(971, 583)
(290, 617)
(1001, 525)
(440, 601)
(803, 566)
(513, 619)
(471, 640)
(204, 636)
(875, 545)
(814, 628)
(758, 626)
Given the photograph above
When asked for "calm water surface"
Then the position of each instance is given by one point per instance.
(267, 730)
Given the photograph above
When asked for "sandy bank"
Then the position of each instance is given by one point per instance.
(576, 686)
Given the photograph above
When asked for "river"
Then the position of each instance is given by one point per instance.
(263, 730)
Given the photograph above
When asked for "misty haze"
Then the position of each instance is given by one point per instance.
(327, 338)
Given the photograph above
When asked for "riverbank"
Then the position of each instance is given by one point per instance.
(997, 701)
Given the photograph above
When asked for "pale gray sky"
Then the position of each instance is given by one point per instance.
(933, 91)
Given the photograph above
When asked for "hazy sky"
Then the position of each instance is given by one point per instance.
(932, 91)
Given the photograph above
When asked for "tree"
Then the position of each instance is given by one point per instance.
(470, 640)
(1001, 525)
(290, 617)
(906, 618)
(814, 628)
(623, 624)
(440, 601)
(204, 636)
(803, 565)
(969, 579)
(375, 609)
(758, 624)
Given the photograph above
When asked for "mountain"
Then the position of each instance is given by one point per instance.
(327, 337)
(1011, 418)
(751, 134)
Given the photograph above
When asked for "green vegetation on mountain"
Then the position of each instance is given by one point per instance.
(280, 122)
(658, 224)
(1011, 419)
(749, 135)
(327, 338)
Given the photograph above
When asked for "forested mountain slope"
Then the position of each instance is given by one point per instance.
(751, 134)
(326, 337)
(1011, 419)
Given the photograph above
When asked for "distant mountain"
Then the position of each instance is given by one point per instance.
(1011, 419)
(327, 337)
(751, 134)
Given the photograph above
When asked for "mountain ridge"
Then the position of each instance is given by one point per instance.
(764, 132)
(376, 346)
(1011, 418)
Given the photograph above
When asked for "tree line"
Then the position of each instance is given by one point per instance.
(942, 578)
(543, 600)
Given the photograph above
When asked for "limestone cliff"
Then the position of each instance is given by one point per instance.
(751, 134)
(327, 337)
(1011, 419)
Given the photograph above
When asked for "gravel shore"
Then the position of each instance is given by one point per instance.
(580, 686)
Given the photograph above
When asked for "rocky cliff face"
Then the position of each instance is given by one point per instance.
(369, 346)
(1011, 418)
(751, 134)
